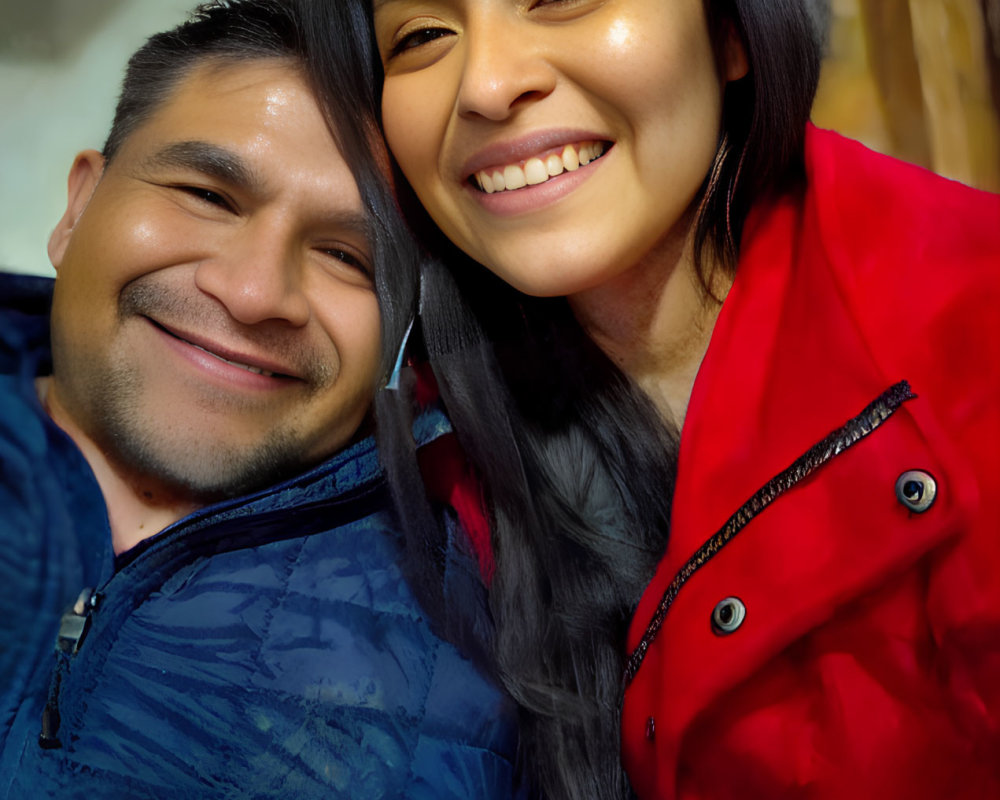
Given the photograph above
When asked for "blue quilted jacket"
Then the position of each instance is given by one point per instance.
(263, 647)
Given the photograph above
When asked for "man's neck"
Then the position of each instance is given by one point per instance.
(137, 508)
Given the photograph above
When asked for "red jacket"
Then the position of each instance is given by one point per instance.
(856, 650)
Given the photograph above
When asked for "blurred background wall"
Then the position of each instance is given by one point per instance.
(60, 65)
(915, 78)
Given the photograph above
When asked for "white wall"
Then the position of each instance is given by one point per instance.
(57, 100)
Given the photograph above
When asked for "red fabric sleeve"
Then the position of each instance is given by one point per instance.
(449, 479)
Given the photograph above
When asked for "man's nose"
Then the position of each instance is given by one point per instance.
(498, 77)
(257, 274)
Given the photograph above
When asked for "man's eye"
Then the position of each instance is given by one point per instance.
(351, 260)
(417, 38)
(208, 196)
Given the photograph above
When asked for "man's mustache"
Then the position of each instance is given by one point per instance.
(167, 307)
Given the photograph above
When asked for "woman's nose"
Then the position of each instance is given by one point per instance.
(257, 276)
(504, 69)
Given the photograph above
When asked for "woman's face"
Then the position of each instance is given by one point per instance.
(604, 112)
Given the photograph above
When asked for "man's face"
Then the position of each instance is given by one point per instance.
(215, 325)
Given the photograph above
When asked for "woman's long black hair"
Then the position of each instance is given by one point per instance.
(345, 72)
(576, 465)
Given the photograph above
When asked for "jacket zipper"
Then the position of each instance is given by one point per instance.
(220, 528)
(73, 628)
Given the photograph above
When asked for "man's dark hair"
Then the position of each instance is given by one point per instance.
(242, 30)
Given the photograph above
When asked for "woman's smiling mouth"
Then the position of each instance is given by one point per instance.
(538, 169)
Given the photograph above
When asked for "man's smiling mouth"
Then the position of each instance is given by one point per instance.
(256, 370)
(538, 169)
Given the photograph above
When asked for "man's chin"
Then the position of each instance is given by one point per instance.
(206, 472)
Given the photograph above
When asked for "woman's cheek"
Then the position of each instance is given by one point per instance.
(409, 130)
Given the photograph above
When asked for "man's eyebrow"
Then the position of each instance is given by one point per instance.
(357, 222)
(225, 165)
(208, 159)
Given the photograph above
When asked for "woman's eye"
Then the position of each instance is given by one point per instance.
(415, 39)
(559, 7)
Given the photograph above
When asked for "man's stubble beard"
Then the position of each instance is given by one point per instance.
(106, 395)
(186, 464)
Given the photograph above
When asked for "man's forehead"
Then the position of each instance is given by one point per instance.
(219, 77)
(200, 92)
(224, 107)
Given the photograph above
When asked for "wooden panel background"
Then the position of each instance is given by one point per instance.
(918, 79)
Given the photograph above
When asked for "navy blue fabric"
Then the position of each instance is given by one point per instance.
(265, 647)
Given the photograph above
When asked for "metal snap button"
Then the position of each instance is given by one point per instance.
(727, 616)
(916, 490)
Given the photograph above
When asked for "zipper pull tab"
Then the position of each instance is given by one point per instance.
(72, 629)
(73, 625)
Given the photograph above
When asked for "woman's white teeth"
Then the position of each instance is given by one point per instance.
(536, 170)
(572, 159)
(513, 178)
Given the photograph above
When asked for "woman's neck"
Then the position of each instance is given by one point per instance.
(655, 321)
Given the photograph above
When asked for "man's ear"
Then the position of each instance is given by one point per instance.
(86, 171)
